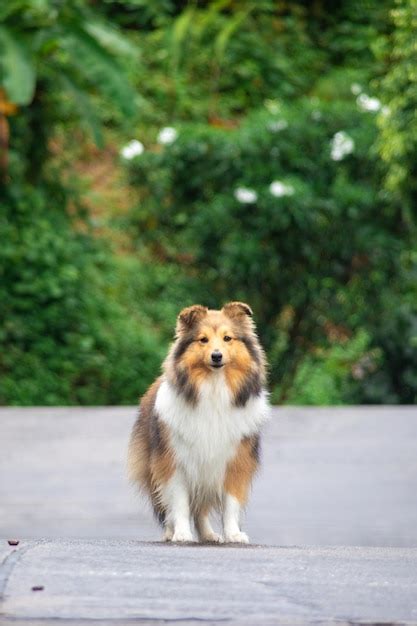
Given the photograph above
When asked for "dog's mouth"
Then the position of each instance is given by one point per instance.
(216, 366)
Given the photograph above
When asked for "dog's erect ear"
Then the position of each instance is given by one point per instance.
(190, 316)
(237, 309)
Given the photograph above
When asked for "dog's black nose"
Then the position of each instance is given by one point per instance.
(216, 356)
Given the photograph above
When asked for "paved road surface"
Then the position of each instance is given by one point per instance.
(126, 580)
(330, 477)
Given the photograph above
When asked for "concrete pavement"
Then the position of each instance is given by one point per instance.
(158, 583)
(330, 478)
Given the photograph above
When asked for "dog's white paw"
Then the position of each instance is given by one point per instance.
(239, 537)
(212, 538)
(182, 536)
(168, 534)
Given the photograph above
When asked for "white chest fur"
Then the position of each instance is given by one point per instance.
(205, 436)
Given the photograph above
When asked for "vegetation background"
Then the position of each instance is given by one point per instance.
(158, 153)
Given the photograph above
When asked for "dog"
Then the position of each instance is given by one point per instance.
(195, 445)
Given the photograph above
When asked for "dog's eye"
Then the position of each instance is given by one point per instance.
(204, 340)
(227, 338)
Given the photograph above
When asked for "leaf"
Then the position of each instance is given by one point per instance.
(224, 36)
(99, 67)
(85, 108)
(210, 15)
(18, 76)
(111, 39)
(180, 29)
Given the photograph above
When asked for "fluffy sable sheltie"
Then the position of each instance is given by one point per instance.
(195, 444)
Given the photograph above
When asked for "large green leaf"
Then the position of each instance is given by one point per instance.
(18, 76)
(99, 67)
(111, 39)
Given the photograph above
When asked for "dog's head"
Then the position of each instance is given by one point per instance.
(213, 343)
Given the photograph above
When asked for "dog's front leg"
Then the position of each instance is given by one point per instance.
(176, 500)
(231, 515)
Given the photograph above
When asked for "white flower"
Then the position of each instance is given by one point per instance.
(279, 189)
(167, 135)
(132, 149)
(341, 145)
(316, 115)
(245, 196)
(278, 125)
(366, 103)
(355, 89)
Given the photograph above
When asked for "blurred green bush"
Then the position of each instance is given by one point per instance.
(285, 176)
(64, 338)
(66, 334)
(286, 211)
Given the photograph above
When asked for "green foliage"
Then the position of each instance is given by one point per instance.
(217, 60)
(398, 138)
(220, 59)
(291, 184)
(69, 46)
(396, 333)
(313, 259)
(64, 339)
(17, 68)
(329, 376)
